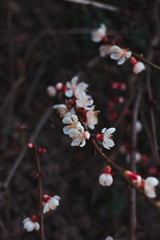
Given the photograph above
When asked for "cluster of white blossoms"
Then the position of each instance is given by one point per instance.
(116, 53)
(80, 101)
(49, 203)
(147, 185)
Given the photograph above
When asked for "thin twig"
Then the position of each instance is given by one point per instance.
(146, 61)
(12, 92)
(132, 219)
(40, 125)
(10, 42)
(38, 166)
(147, 130)
(154, 42)
(117, 168)
(155, 143)
(102, 6)
(128, 103)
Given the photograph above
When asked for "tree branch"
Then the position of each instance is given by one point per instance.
(38, 166)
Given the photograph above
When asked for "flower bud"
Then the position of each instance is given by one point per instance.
(105, 179)
(51, 91)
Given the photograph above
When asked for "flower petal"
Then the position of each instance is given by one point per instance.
(152, 181)
(76, 142)
(74, 80)
(69, 93)
(121, 61)
(109, 131)
(67, 120)
(108, 143)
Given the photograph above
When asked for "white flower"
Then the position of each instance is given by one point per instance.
(51, 91)
(105, 179)
(63, 110)
(99, 34)
(107, 141)
(109, 238)
(84, 101)
(79, 136)
(149, 186)
(72, 121)
(91, 118)
(105, 50)
(138, 67)
(51, 203)
(119, 54)
(74, 87)
(59, 86)
(31, 224)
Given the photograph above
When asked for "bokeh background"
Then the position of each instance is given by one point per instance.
(45, 42)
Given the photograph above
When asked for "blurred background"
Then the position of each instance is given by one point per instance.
(45, 42)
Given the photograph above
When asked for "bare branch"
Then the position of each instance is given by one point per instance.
(102, 6)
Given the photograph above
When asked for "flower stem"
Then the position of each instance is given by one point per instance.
(38, 166)
(117, 168)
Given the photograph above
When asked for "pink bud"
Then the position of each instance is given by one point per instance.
(122, 86)
(30, 145)
(127, 112)
(33, 218)
(36, 176)
(51, 90)
(119, 99)
(107, 170)
(110, 105)
(59, 86)
(100, 137)
(42, 150)
(113, 116)
(153, 170)
(114, 85)
(125, 148)
(105, 38)
(145, 158)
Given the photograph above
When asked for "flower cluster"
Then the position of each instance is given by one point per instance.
(79, 101)
(147, 185)
(49, 203)
(116, 53)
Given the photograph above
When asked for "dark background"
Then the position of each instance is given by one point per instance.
(45, 42)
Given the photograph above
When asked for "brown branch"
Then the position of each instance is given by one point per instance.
(10, 42)
(10, 95)
(154, 42)
(155, 143)
(38, 166)
(139, 56)
(132, 219)
(120, 170)
(102, 6)
(147, 130)
(39, 126)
